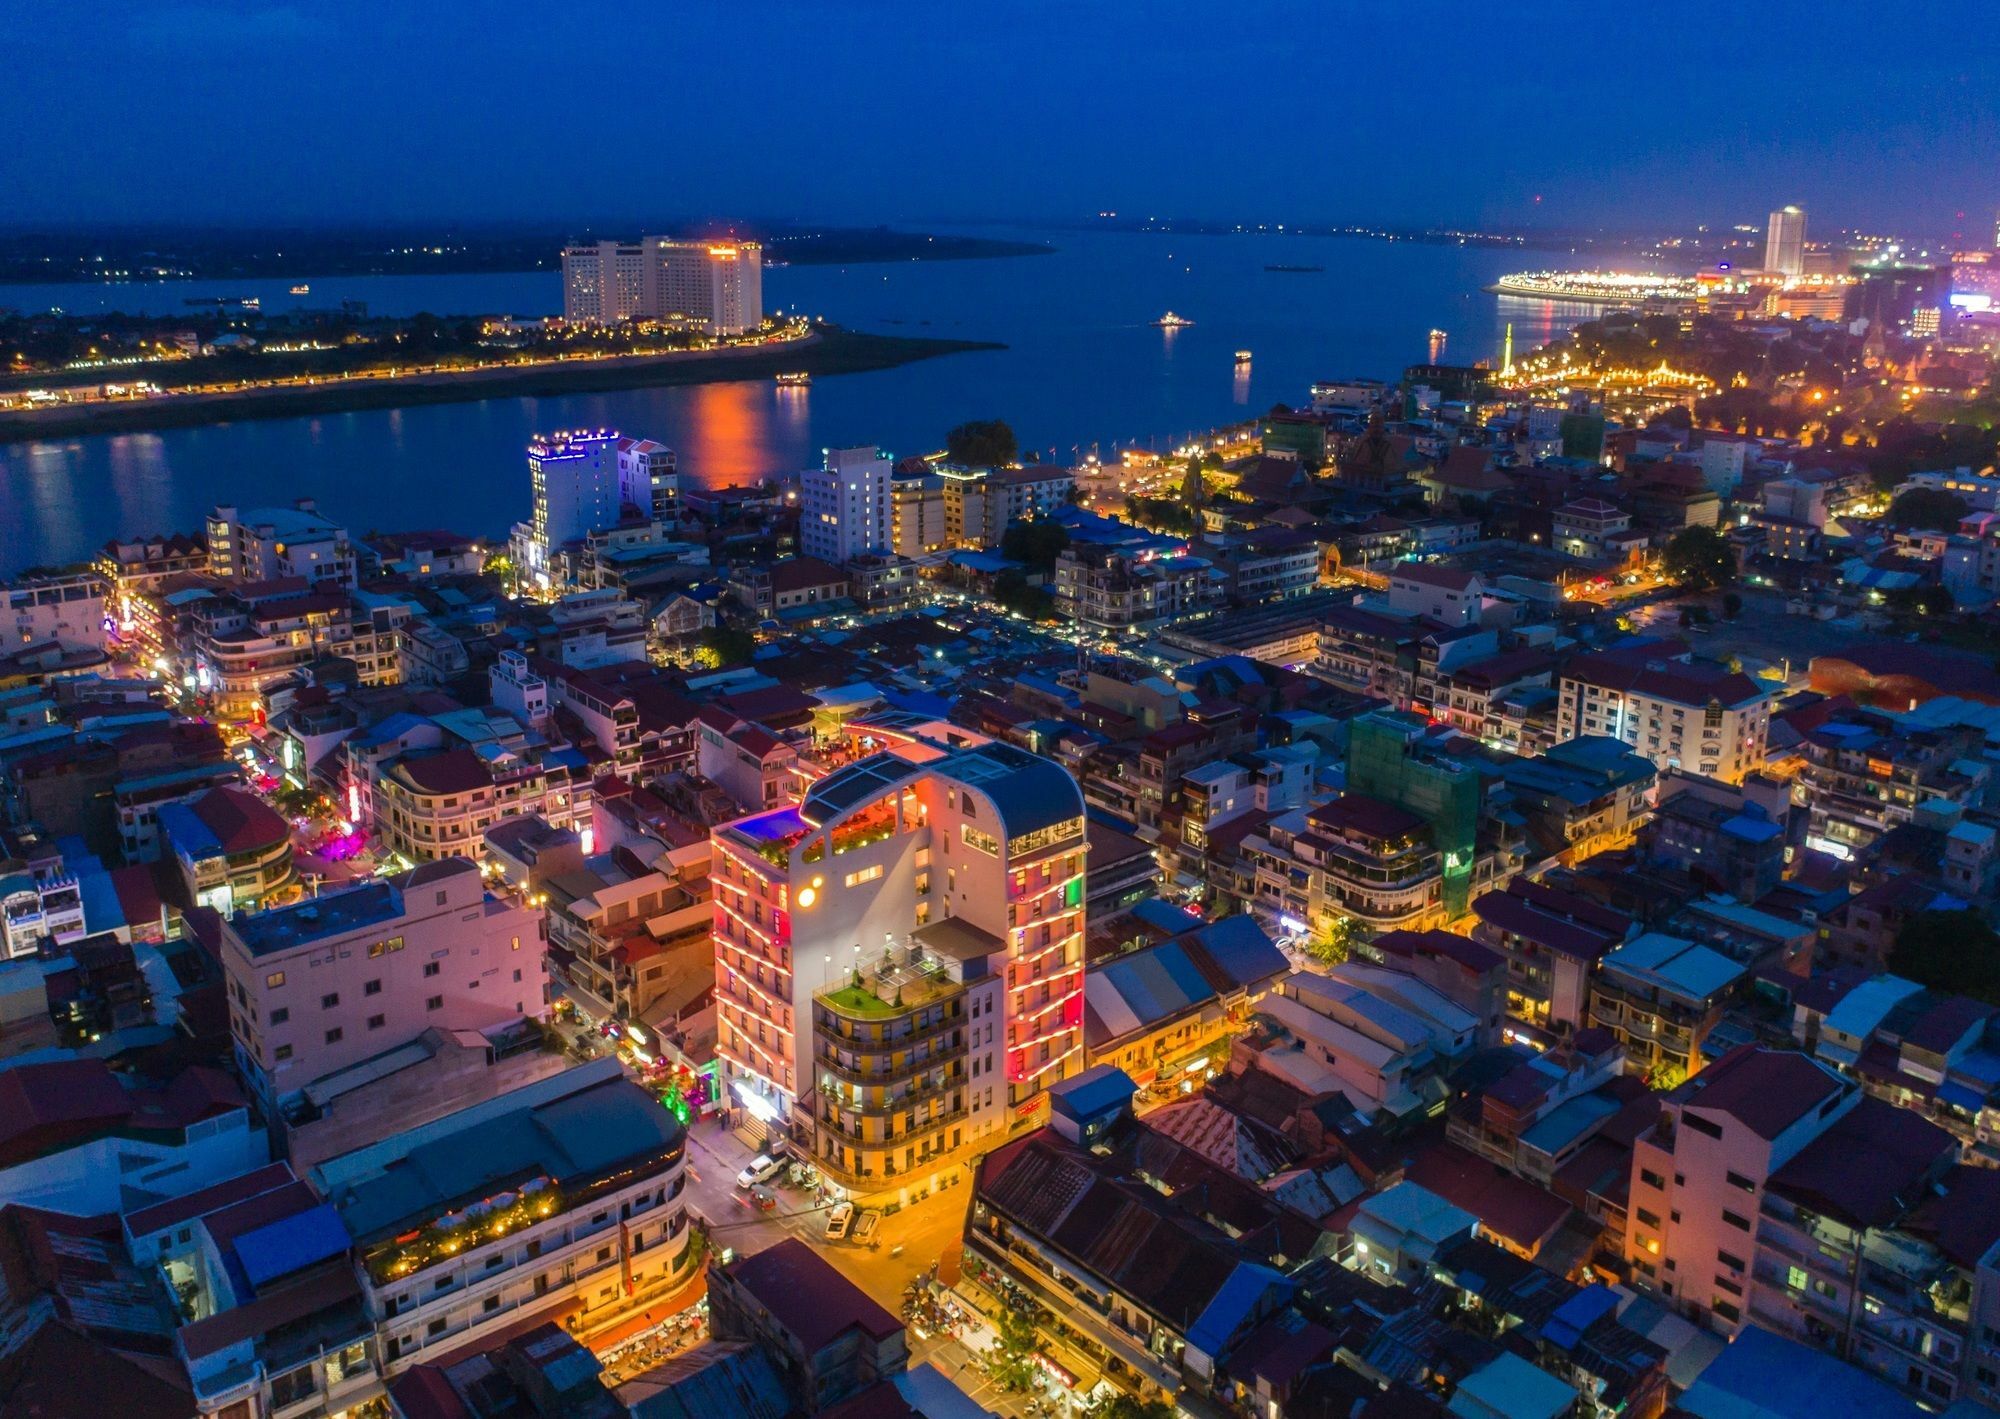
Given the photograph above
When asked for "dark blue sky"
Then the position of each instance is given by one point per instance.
(1881, 114)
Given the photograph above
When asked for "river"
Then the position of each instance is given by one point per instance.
(1084, 366)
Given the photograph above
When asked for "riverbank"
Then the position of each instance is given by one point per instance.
(829, 350)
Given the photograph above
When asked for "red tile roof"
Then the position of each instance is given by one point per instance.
(1767, 1091)
(1518, 1211)
(241, 821)
(800, 573)
(808, 1297)
(44, 1106)
(1685, 684)
(208, 1199)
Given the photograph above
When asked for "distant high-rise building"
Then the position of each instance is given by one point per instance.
(716, 285)
(604, 282)
(1785, 242)
(845, 505)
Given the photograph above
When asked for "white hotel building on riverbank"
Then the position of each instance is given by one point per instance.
(716, 285)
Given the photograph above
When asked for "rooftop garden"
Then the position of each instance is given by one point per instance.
(471, 1226)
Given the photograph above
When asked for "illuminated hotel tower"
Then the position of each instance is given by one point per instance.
(1785, 242)
(899, 957)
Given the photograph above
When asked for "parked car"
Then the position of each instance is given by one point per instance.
(839, 1221)
(762, 1169)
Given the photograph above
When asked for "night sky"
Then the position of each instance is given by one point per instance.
(1878, 115)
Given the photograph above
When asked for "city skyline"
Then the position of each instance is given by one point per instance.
(1036, 115)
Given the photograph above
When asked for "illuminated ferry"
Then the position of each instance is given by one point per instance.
(1170, 321)
(795, 379)
(1596, 287)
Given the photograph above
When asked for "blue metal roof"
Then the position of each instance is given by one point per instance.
(291, 1244)
(1098, 1090)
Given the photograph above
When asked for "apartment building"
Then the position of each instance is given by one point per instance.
(836, 893)
(138, 566)
(1552, 941)
(246, 640)
(1867, 772)
(233, 851)
(828, 1339)
(1698, 1175)
(844, 505)
(66, 611)
(317, 987)
(1117, 589)
(980, 504)
(917, 514)
(1679, 714)
(1660, 996)
(271, 543)
(900, 1047)
(567, 1189)
(431, 787)
(271, 1317)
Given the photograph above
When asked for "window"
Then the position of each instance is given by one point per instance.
(376, 1022)
(394, 943)
(1650, 1219)
(1736, 1179)
(373, 987)
(1702, 1125)
(1795, 1277)
(490, 1305)
(1734, 1263)
(1723, 1283)
(436, 1327)
(283, 1052)
(435, 1002)
(280, 1015)
(333, 1035)
(327, 1002)
(1741, 1224)
(1727, 1311)
(274, 980)
(866, 874)
(430, 968)
(1652, 1179)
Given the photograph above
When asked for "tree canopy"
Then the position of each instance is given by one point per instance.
(1955, 951)
(1036, 543)
(1931, 508)
(982, 443)
(1699, 559)
(1012, 592)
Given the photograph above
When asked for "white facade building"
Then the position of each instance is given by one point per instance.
(845, 505)
(648, 480)
(263, 544)
(715, 285)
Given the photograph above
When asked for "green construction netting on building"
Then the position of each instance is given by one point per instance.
(1381, 763)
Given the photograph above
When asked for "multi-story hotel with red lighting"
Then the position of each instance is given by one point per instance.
(899, 956)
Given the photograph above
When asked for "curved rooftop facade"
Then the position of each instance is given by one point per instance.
(1029, 791)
